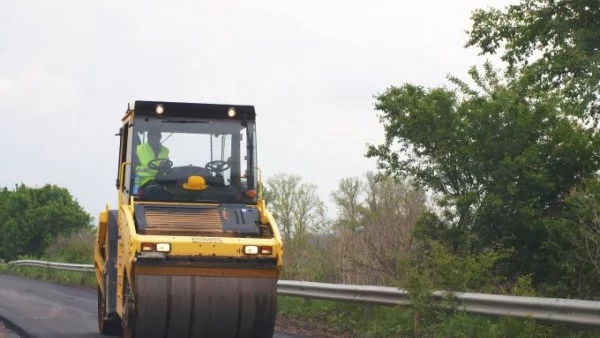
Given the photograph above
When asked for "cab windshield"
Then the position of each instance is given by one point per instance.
(194, 160)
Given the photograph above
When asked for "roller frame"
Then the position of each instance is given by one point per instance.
(206, 287)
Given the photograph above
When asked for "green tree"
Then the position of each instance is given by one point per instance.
(582, 218)
(296, 206)
(501, 162)
(300, 215)
(31, 218)
(554, 44)
(347, 198)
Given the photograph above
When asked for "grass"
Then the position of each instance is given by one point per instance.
(346, 319)
(71, 278)
(355, 320)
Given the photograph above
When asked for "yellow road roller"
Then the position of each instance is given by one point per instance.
(191, 249)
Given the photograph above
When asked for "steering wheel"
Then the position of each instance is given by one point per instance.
(162, 165)
(217, 166)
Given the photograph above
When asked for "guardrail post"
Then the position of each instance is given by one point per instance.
(367, 311)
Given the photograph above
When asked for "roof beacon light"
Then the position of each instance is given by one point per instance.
(231, 112)
(160, 109)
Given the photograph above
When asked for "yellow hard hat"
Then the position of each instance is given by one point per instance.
(195, 183)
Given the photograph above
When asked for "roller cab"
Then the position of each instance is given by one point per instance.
(190, 250)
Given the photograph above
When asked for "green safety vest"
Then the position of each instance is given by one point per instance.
(145, 155)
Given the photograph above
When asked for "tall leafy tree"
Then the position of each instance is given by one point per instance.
(504, 154)
(501, 161)
(554, 44)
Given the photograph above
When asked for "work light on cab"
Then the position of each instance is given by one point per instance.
(231, 112)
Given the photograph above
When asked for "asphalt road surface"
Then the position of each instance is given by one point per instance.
(47, 310)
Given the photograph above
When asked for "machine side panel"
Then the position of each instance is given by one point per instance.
(111, 262)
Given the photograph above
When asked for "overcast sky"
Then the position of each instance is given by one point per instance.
(311, 68)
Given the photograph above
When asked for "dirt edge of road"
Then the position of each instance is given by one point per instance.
(299, 327)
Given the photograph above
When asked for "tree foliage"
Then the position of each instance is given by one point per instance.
(295, 205)
(300, 215)
(505, 153)
(501, 162)
(31, 218)
(347, 198)
(554, 44)
(583, 221)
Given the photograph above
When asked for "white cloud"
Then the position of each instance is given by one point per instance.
(68, 69)
(6, 86)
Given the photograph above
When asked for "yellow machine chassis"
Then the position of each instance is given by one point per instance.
(129, 272)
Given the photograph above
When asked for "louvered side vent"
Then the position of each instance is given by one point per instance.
(182, 221)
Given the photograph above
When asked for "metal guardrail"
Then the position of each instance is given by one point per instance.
(573, 311)
(54, 265)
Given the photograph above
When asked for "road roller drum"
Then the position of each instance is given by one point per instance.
(194, 306)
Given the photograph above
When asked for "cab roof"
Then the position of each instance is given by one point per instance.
(193, 110)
